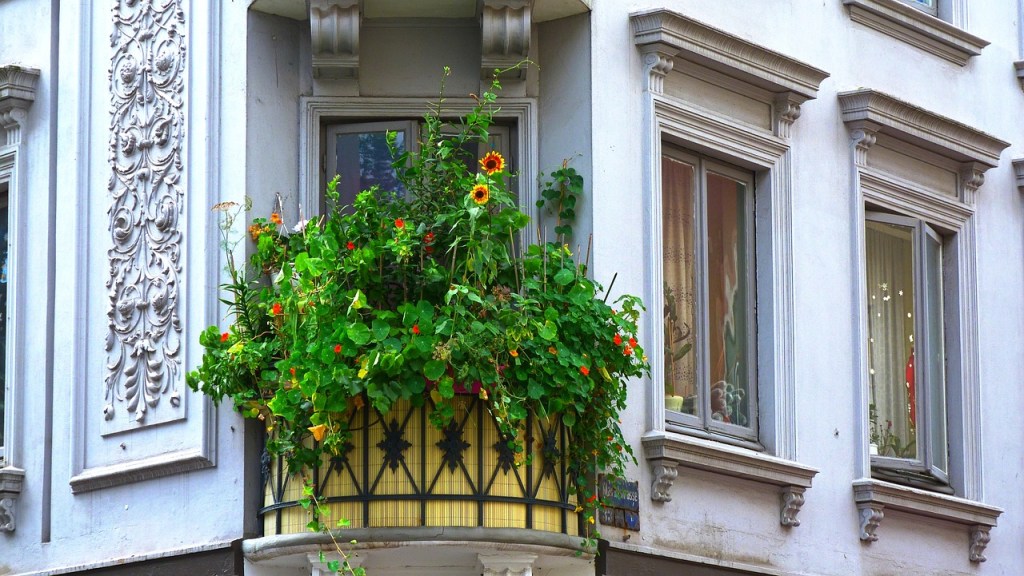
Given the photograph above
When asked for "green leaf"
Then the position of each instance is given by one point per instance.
(434, 369)
(548, 331)
(535, 390)
(358, 333)
(380, 330)
(564, 276)
(569, 419)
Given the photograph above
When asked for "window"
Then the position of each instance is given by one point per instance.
(4, 192)
(928, 6)
(360, 155)
(709, 341)
(906, 351)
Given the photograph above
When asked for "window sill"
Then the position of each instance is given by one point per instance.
(906, 23)
(874, 496)
(667, 451)
(11, 481)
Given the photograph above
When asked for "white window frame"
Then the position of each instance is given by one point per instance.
(702, 423)
(781, 84)
(318, 112)
(942, 33)
(874, 117)
(933, 9)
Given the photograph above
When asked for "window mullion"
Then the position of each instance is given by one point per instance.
(703, 368)
(922, 379)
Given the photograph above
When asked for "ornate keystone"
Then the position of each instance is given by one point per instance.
(979, 540)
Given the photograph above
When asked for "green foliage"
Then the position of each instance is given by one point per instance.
(419, 297)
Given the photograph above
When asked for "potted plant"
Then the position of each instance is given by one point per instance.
(421, 296)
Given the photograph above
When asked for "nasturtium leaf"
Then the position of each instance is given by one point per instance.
(564, 276)
(534, 390)
(434, 369)
(358, 333)
(548, 331)
(380, 329)
(569, 419)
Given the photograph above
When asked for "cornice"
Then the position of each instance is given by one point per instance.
(876, 111)
(694, 40)
(913, 26)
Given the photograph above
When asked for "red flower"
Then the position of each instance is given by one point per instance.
(592, 498)
(399, 223)
(276, 308)
(584, 370)
(292, 370)
(224, 337)
(632, 342)
(337, 348)
(627, 351)
(617, 340)
(416, 329)
(350, 245)
(428, 238)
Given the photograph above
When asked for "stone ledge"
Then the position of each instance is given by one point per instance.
(908, 24)
(666, 452)
(873, 497)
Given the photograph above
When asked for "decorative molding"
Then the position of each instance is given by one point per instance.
(878, 495)
(920, 127)
(147, 135)
(145, 469)
(664, 473)
(17, 92)
(979, 537)
(792, 498)
(505, 30)
(1018, 172)
(785, 111)
(11, 482)
(915, 27)
(507, 564)
(863, 139)
(657, 65)
(972, 176)
(666, 451)
(870, 517)
(888, 191)
(718, 50)
(334, 34)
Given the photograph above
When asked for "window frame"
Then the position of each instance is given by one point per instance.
(895, 468)
(320, 111)
(933, 9)
(11, 390)
(703, 422)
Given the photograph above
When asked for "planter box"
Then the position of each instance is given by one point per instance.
(401, 471)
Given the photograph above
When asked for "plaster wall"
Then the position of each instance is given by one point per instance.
(730, 521)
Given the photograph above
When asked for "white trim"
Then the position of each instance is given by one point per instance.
(134, 559)
(318, 110)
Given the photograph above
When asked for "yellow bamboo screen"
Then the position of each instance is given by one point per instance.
(423, 489)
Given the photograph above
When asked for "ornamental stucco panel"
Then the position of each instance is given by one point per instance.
(147, 135)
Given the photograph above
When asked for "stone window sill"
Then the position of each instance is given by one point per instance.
(667, 452)
(906, 23)
(11, 481)
(873, 497)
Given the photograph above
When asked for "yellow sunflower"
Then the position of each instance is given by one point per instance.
(492, 162)
(480, 194)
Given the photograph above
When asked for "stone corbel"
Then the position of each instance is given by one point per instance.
(863, 138)
(785, 111)
(505, 27)
(972, 176)
(792, 499)
(870, 517)
(1018, 67)
(17, 92)
(979, 540)
(1018, 171)
(11, 481)
(507, 564)
(659, 60)
(664, 474)
(334, 28)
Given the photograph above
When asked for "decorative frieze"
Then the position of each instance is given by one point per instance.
(147, 135)
(504, 36)
(334, 32)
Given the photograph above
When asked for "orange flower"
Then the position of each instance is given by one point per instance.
(357, 401)
(552, 350)
(492, 162)
(617, 340)
(627, 351)
(318, 431)
(416, 329)
(254, 232)
(337, 348)
(350, 245)
(632, 342)
(276, 218)
(399, 223)
(276, 308)
(584, 370)
(513, 353)
(480, 194)
(224, 337)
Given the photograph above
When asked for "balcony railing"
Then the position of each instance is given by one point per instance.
(398, 470)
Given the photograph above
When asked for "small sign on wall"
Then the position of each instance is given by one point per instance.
(621, 500)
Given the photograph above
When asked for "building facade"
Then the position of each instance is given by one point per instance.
(820, 203)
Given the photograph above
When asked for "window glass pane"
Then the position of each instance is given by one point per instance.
(936, 365)
(891, 369)
(678, 265)
(728, 327)
(364, 160)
